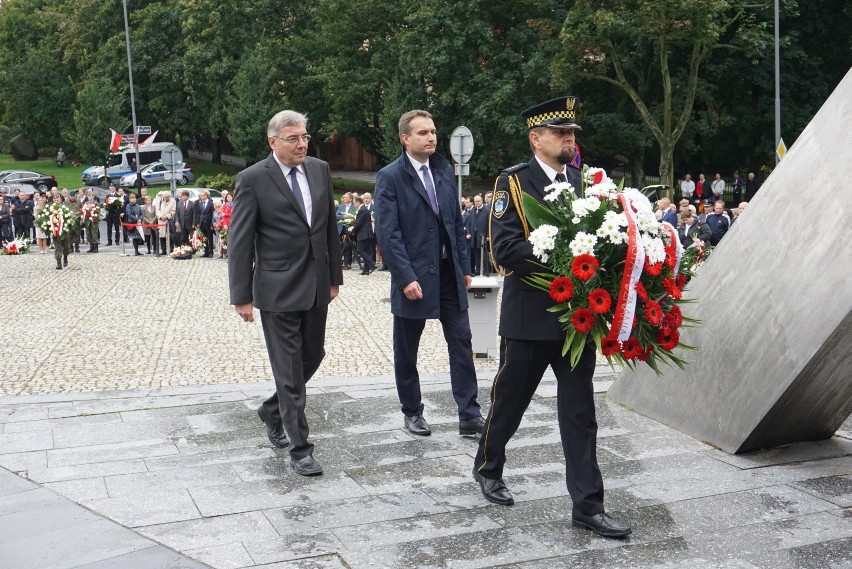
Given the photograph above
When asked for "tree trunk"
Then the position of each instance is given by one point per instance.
(216, 147)
(667, 165)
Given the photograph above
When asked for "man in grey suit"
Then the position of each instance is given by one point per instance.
(285, 260)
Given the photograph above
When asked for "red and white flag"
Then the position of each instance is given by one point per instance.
(115, 142)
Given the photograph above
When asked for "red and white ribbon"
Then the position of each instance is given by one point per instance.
(625, 307)
(57, 223)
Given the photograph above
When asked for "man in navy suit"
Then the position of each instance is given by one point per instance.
(365, 235)
(204, 209)
(344, 211)
(420, 230)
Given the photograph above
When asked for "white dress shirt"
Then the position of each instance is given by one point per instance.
(303, 185)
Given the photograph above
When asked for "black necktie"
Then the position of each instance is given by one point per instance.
(560, 177)
(297, 191)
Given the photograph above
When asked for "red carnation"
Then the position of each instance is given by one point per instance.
(610, 347)
(631, 349)
(600, 301)
(646, 353)
(668, 338)
(671, 260)
(671, 287)
(561, 289)
(584, 267)
(653, 270)
(653, 313)
(641, 292)
(583, 320)
(674, 316)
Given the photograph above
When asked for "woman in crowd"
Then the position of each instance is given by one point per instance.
(149, 217)
(691, 229)
(133, 215)
(227, 209)
(41, 236)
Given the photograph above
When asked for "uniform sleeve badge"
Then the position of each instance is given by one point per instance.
(501, 202)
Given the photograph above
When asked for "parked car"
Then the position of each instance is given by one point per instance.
(215, 195)
(99, 192)
(10, 189)
(123, 162)
(157, 174)
(41, 181)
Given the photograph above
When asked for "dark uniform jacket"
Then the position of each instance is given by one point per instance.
(523, 313)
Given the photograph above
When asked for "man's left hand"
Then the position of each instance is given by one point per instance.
(335, 290)
(468, 282)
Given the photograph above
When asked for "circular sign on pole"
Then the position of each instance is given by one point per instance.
(461, 144)
(171, 156)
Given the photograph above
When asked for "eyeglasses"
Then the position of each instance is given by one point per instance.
(295, 139)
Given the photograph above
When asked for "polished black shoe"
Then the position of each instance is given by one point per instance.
(417, 425)
(602, 524)
(275, 432)
(495, 491)
(472, 427)
(306, 466)
(371, 271)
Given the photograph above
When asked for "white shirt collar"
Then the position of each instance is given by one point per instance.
(551, 173)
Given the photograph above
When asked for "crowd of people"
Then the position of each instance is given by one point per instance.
(705, 228)
(703, 191)
(158, 223)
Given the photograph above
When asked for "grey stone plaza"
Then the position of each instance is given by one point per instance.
(129, 438)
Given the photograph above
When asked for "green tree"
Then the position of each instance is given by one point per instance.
(620, 42)
(99, 109)
(253, 98)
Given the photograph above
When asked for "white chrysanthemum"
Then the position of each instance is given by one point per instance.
(576, 220)
(583, 244)
(543, 240)
(617, 238)
(618, 219)
(605, 190)
(654, 249)
(556, 189)
(583, 206)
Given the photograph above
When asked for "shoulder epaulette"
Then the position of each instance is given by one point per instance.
(516, 168)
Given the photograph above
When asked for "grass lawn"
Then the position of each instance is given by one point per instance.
(71, 177)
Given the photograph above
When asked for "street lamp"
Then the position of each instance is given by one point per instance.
(132, 99)
(777, 84)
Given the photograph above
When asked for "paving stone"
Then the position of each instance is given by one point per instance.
(110, 433)
(174, 479)
(148, 558)
(22, 462)
(27, 499)
(59, 424)
(787, 454)
(12, 484)
(53, 516)
(431, 473)
(834, 489)
(833, 554)
(319, 562)
(291, 546)
(189, 461)
(352, 512)
(208, 532)
(81, 490)
(60, 473)
(25, 442)
(100, 453)
(225, 556)
(147, 507)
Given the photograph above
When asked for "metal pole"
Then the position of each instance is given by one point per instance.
(132, 99)
(777, 82)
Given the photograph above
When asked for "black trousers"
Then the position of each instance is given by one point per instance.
(522, 363)
(346, 248)
(113, 224)
(367, 252)
(456, 326)
(208, 243)
(295, 342)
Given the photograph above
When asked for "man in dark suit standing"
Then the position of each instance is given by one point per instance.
(478, 234)
(365, 235)
(532, 337)
(284, 258)
(185, 218)
(344, 214)
(422, 237)
(204, 220)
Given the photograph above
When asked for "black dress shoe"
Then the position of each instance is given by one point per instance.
(417, 425)
(371, 270)
(306, 466)
(495, 491)
(472, 427)
(602, 524)
(275, 432)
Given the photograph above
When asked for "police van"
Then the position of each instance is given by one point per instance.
(121, 162)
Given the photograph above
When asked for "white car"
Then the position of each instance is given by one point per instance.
(157, 174)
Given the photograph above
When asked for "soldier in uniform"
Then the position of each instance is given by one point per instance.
(531, 338)
(74, 205)
(61, 243)
(93, 229)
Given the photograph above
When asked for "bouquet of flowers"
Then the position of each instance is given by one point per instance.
(348, 219)
(223, 237)
(17, 246)
(92, 212)
(56, 220)
(113, 204)
(183, 252)
(694, 257)
(615, 272)
(197, 240)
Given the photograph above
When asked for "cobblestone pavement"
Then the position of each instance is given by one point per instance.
(111, 321)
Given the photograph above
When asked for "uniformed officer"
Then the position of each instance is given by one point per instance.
(73, 204)
(532, 337)
(62, 243)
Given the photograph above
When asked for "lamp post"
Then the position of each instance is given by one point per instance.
(130, 75)
(777, 83)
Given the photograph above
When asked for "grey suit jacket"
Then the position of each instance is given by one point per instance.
(275, 259)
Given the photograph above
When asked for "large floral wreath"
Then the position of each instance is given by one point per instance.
(612, 268)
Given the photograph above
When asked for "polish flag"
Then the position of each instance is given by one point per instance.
(115, 142)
